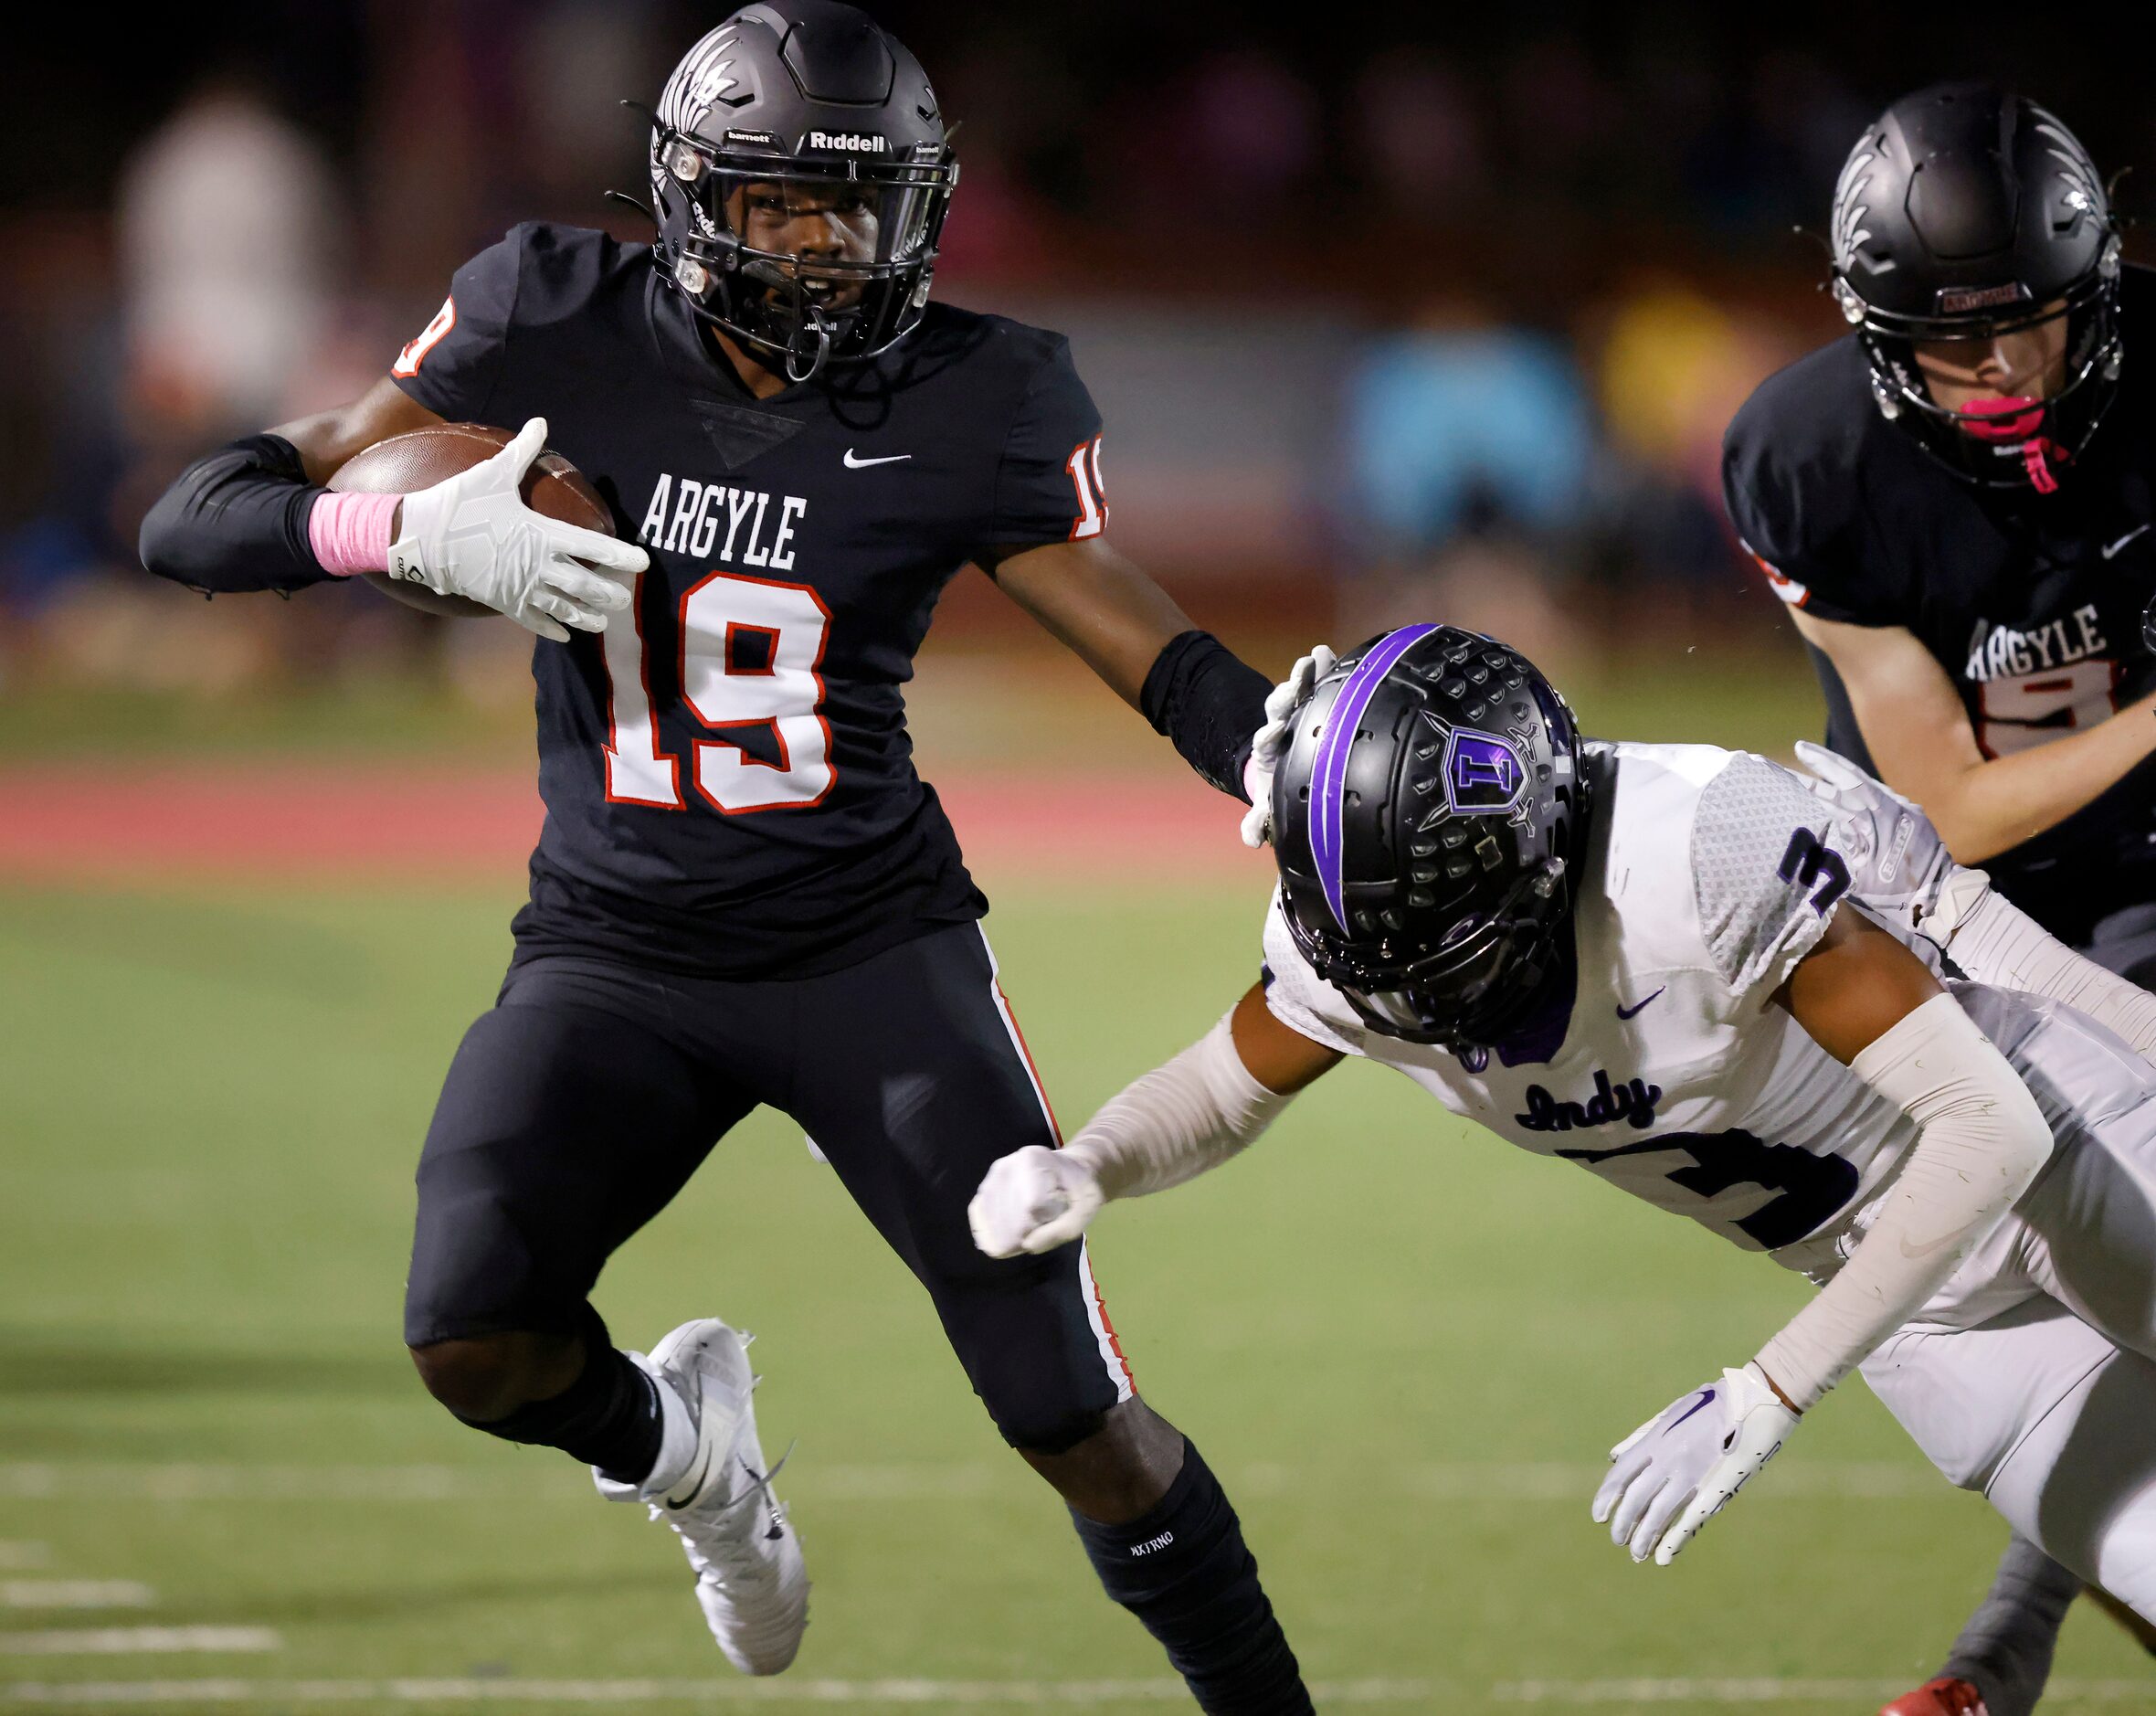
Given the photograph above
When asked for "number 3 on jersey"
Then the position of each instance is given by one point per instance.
(750, 649)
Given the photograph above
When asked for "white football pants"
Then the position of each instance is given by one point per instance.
(2032, 1376)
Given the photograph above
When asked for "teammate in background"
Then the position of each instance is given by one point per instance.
(743, 892)
(1718, 990)
(1955, 499)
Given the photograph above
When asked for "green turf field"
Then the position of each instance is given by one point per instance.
(1404, 1348)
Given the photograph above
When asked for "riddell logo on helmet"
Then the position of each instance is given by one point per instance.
(1954, 299)
(859, 143)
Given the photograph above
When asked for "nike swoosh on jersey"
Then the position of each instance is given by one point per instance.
(862, 464)
(2122, 541)
(1626, 1012)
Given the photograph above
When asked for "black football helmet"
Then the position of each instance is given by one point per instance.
(801, 114)
(1965, 212)
(1428, 815)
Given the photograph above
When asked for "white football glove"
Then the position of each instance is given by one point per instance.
(1271, 740)
(1900, 864)
(1676, 1471)
(472, 535)
(1033, 1199)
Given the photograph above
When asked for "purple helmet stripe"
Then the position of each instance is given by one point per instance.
(1328, 772)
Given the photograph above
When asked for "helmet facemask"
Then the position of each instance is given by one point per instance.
(1478, 984)
(2004, 443)
(809, 261)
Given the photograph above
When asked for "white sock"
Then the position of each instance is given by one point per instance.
(677, 1438)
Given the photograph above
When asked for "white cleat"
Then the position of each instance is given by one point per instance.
(712, 1485)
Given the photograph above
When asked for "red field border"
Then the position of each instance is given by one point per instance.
(333, 821)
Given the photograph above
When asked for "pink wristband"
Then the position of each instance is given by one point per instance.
(350, 532)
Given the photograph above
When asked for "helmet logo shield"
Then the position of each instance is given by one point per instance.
(1484, 775)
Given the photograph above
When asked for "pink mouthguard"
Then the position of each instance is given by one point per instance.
(2011, 420)
(2017, 419)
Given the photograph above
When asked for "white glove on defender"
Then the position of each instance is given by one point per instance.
(472, 535)
(1189, 1114)
(1676, 1472)
(1033, 1199)
(1900, 865)
(1271, 740)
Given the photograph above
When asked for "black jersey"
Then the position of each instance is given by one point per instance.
(729, 783)
(2032, 603)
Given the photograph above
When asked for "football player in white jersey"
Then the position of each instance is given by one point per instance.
(1769, 1004)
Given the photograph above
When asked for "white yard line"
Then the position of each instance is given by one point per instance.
(49, 1481)
(1854, 1694)
(979, 1693)
(21, 1557)
(137, 1641)
(940, 1694)
(910, 1481)
(75, 1594)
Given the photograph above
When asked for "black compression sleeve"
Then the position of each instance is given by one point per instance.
(236, 520)
(1208, 703)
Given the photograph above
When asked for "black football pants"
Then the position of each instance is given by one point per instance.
(577, 1107)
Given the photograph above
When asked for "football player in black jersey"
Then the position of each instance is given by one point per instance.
(1956, 500)
(744, 893)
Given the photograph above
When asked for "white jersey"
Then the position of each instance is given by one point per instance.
(2030, 1375)
(1709, 874)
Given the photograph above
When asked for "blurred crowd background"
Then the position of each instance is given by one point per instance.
(1432, 309)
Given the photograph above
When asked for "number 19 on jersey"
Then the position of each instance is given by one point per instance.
(750, 653)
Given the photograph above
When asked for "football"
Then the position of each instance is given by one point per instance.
(404, 464)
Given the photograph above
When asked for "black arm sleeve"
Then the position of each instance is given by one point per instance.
(236, 520)
(1210, 703)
